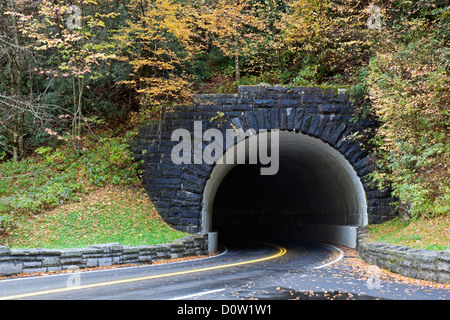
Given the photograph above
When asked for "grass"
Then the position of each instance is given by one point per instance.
(431, 234)
(56, 199)
(121, 214)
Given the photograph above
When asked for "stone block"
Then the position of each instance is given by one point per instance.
(287, 103)
(71, 253)
(91, 262)
(145, 259)
(264, 103)
(71, 260)
(443, 261)
(106, 261)
(34, 270)
(10, 268)
(32, 264)
(4, 250)
(108, 247)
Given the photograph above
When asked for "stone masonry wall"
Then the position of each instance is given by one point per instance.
(177, 190)
(17, 261)
(413, 263)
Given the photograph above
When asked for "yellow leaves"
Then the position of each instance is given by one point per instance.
(225, 21)
(51, 23)
(159, 38)
(306, 23)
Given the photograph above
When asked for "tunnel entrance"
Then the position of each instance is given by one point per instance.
(315, 195)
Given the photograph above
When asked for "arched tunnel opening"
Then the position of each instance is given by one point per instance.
(315, 195)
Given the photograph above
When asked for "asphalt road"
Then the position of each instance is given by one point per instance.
(263, 271)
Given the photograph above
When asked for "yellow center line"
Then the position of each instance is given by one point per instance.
(281, 252)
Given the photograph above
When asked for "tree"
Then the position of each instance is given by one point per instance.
(156, 40)
(16, 66)
(323, 39)
(408, 84)
(232, 26)
(69, 34)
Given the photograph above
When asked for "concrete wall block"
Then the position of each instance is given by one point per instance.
(264, 103)
(162, 252)
(130, 251)
(116, 260)
(409, 272)
(176, 255)
(4, 251)
(176, 247)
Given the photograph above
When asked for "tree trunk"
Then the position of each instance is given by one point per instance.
(16, 93)
(238, 71)
(77, 115)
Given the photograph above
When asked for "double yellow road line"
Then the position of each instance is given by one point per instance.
(280, 253)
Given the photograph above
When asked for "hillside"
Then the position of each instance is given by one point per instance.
(77, 78)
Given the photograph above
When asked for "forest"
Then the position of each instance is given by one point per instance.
(77, 77)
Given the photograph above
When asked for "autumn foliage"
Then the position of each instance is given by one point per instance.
(69, 66)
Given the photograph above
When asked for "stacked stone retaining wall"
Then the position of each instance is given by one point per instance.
(413, 263)
(18, 261)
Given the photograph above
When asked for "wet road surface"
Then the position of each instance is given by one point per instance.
(261, 271)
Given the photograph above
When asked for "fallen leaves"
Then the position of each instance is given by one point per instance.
(356, 266)
(122, 214)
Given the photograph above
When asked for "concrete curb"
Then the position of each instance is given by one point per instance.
(413, 263)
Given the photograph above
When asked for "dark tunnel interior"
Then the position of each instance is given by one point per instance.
(314, 195)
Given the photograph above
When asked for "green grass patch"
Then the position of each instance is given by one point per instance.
(121, 214)
(423, 233)
(59, 199)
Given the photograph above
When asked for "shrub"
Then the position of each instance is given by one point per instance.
(58, 176)
(408, 86)
(6, 224)
(110, 161)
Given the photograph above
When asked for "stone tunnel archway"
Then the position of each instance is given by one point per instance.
(315, 195)
(325, 168)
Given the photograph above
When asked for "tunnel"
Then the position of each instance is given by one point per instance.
(314, 195)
